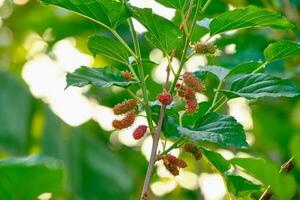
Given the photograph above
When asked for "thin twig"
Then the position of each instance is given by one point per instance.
(156, 138)
(285, 168)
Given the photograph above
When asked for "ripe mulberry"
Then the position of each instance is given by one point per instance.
(127, 75)
(165, 98)
(126, 122)
(139, 132)
(124, 107)
(191, 81)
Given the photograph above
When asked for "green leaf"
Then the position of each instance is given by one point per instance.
(237, 185)
(99, 77)
(16, 105)
(171, 120)
(253, 86)
(281, 49)
(189, 120)
(162, 33)
(244, 68)
(250, 16)
(107, 12)
(109, 48)
(217, 71)
(217, 160)
(27, 178)
(241, 187)
(218, 129)
(177, 4)
(268, 174)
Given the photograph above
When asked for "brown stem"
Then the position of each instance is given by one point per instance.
(156, 137)
(285, 168)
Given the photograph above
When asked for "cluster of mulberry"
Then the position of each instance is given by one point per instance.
(188, 91)
(127, 108)
(173, 164)
(192, 148)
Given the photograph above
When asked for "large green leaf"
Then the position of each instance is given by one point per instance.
(108, 12)
(171, 120)
(268, 174)
(99, 77)
(27, 178)
(109, 48)
(240, 187)
(281, 49)
(244, 68)
(250, 16)
(217, 71)
(217, 160)
(162, 33)
(253, 86)
(218, 129)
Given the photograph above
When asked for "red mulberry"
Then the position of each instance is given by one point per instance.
(139, 132)
(165, 98)
(127, 75)
(124, 107)
(126, 122)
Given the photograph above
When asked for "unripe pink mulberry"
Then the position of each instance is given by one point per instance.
(126, 122)
(191, 105)
(139, 132)
(191, 81)
(124, 107)
(165, 98)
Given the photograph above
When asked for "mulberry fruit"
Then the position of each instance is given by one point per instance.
(126, 122)
(127, 75)
(165, 98)
(192, 148)
(201, 48)
(173, 164)
(191, 81)
(124, 107)
(139, 132)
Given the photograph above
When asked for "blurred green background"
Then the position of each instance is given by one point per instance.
(60, 143)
